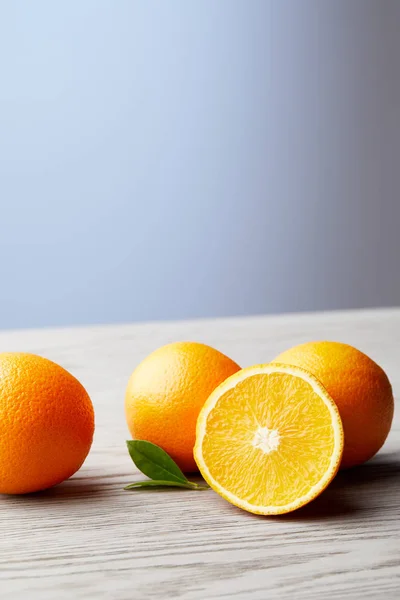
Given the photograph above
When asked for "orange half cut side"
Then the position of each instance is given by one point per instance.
(269, 439)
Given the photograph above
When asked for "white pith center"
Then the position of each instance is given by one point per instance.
(266, 439)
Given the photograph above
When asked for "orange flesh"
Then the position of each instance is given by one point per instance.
(271, 439)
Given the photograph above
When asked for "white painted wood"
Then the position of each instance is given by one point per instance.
(87, 538)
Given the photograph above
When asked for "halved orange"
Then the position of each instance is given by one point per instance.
(269, 439)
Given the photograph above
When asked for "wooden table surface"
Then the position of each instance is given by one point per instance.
(87, 538)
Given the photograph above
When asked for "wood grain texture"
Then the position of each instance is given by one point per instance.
(87, 538)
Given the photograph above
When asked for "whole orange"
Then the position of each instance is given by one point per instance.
(166, 392)
(360, 389)
(46, 423)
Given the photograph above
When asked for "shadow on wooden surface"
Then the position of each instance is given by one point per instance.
(355, 490)
(352, 493)
(383, 467)
(72, 490)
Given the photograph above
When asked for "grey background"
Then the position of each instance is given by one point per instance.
(163, 160)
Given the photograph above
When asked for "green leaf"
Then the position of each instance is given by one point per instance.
(154, 462)
(154, 483)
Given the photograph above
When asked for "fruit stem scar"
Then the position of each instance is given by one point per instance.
(266, 439)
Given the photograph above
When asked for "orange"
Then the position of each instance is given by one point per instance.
(269, 439)
(46, 423)
(359, 387)
(166, 392)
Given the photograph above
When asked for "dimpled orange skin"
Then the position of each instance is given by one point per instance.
(360, 389)
(166, 392)
(46, 423)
